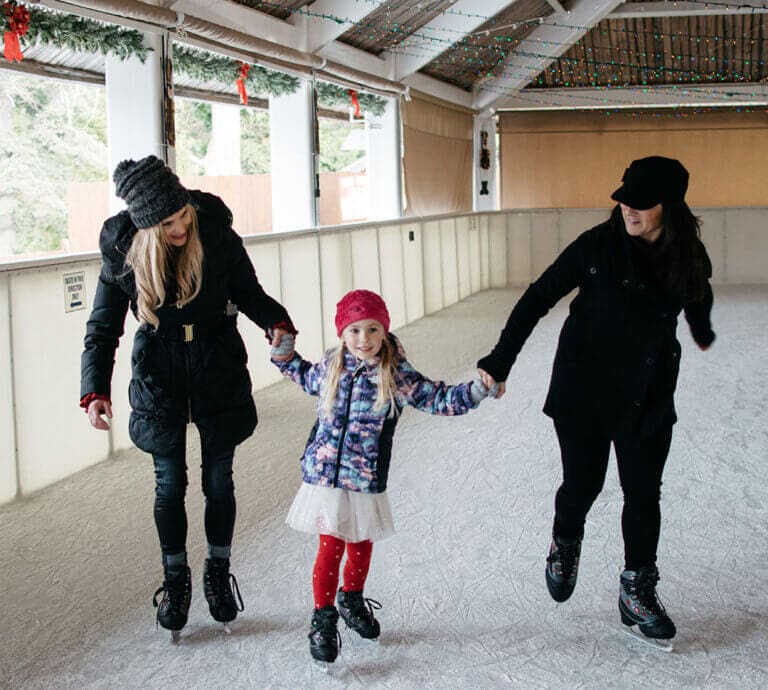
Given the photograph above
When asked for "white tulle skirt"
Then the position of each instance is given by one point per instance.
(349, 515)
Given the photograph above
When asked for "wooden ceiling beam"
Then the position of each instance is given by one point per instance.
(543, 45)
(678, 96)
(556, 6)
(645, 10)
(463, 18)
(323, 29)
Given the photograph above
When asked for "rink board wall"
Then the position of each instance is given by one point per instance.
(420, 266)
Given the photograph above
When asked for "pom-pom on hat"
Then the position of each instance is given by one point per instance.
(151, 190)
(359, 305)
(651, 181)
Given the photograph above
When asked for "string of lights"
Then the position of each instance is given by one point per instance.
(657, 71)
(413, 31)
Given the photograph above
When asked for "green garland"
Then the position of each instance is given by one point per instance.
(207, 67)
(330, 95)
(48, 27)
(82, 35)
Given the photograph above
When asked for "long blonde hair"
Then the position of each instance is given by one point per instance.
(386, 392)
(153, 261)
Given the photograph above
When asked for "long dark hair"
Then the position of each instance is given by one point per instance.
(683, 266)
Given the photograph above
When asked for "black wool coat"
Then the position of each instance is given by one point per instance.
(174, 382)
(618, 356)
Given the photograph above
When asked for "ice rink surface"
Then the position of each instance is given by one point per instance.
(462, 583)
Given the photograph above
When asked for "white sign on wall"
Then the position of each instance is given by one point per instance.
(74, 291)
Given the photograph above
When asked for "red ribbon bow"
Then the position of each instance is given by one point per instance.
(17, 20)
(240, 81)
(355, 102)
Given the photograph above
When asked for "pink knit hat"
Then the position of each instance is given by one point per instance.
(359, 305)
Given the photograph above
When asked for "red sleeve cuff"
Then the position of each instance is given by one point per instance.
(86, 400)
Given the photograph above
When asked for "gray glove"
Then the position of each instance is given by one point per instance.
(479, 392)
(286, 347)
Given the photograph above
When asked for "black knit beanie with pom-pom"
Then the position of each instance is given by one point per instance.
(151, 190)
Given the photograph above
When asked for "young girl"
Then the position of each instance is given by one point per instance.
(363, 385)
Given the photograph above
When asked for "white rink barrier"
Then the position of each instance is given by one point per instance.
(420, 266)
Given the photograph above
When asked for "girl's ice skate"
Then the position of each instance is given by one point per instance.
(220, 588)
(324, 638)
(173, 609)
(639, 606)
(357, 613)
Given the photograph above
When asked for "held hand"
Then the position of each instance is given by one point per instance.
(95, 410)
(495, 390)
(282, 345)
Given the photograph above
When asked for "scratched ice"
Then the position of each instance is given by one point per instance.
(462, 583)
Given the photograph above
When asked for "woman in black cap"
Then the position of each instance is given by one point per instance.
(616, 367)
(173, 257)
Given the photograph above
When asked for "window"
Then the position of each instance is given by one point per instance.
(53, 150)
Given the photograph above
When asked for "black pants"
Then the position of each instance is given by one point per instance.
(641, 464)
(170, 490)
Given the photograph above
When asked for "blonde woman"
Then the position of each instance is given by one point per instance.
(173, 257)
(362, 386)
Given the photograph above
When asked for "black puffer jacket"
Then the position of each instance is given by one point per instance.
(618, 357)
(174, 382)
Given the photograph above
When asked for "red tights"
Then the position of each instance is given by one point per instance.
(325, 575)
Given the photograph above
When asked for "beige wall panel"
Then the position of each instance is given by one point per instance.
(54, 440)
(545, 242)
(433, 267)
(392, 278)
(485, 257)
(449, 261)
(746, 258)
(413, 271)
(300, 270)
(7, 432)
(289, 269)
(713, 237)
(365, 260)
(518, 248)
(475, 260)
(121, 374)
(573, 223)
(463, 233)
(266, 262)
(576, 160)
(497, 237)
(337, 279)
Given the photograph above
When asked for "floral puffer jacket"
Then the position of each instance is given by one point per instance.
(351, 449)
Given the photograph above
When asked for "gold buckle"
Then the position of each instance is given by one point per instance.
(188, 332)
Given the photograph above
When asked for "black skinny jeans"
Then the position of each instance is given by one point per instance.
(641, 464)
(170, 490)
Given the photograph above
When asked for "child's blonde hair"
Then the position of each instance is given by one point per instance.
(387, 372)
(152, 260)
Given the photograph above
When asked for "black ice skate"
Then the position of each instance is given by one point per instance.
(324, 638)
(357, 613)
(220, 588)
(639, 605)
(173, 609)
(562, 566)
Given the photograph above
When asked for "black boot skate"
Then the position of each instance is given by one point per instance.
(173, 609)
(640, 605)
(324, 638)
(220, 588)
(562, 566)
(357, 613)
